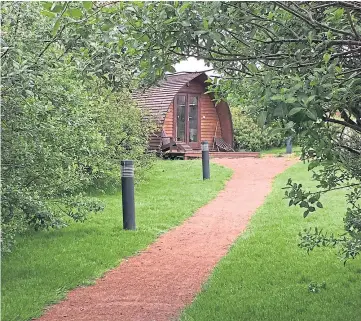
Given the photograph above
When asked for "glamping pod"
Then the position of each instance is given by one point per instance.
(186, 115)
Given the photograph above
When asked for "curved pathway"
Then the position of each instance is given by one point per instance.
(164, 278)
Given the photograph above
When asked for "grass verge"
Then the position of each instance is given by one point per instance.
(281, 151)
(45, 265)
(267, 277)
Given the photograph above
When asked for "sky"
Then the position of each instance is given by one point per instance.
(192, 64)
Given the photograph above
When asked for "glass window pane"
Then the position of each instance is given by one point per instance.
(181, 100)
(181, 117)
(193, 119)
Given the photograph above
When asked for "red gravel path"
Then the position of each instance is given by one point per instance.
(160, 281)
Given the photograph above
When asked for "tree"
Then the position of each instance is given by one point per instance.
(302, 62)
(67, 116)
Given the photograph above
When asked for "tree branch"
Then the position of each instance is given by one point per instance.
(328, 42)
(57, 35)
(343, 123)
(345, 53)
(351, 150)
(331, 189)
(329, 4)
(273, 21)
(296, 14)
(351, 24)
(5, 52)
(351, 5)
(50, 43)
(349, 71)
(313, 22)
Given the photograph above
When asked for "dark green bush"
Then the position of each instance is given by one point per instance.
(64, 128)
(249, 136)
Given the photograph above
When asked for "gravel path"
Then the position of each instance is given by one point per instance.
(164, 278)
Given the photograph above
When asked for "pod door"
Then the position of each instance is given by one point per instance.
(187, 119)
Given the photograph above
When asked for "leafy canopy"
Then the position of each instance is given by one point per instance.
(301, 63)
(64, 127)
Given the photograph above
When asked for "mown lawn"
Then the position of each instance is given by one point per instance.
(266, 276)
(280, 151)
(45, 265)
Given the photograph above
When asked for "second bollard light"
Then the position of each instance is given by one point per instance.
(128, 195)
(289, 145)
(205, 160)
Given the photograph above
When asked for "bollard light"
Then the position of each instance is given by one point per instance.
(289, 145)
(205, 160)
(128, 194)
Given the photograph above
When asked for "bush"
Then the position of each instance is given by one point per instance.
(55, 149)
(249, 136)
(64, 128)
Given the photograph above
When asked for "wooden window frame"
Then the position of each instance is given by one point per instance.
(188, 95)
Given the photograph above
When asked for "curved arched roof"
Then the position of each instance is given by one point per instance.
(156, 100)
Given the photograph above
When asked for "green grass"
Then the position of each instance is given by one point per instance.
(265, 276)
(45, 265)
(280, 151)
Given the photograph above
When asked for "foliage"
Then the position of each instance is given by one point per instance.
(300, 61)
(249, 136)
(265, 276)
(64, 129)
(46, 264)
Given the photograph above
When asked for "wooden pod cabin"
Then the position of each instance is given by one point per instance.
(186, 115)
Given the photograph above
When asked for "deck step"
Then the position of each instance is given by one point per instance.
(183, 146)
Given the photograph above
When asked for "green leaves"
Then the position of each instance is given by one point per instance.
(319, 205)
(48, 13)
(184, 6)
(56, 27)
(56, 8)
(301, 198)
(65, 121)
(51, 9)
(309, 99)
(185, 23)
(326, 57)
(170, 68)
(200, 32)
(253, 68)
(285, 70)
(295, 110)
(311, 115)
(87, 5)
(75, 13)
(339, 13)
(250, 134)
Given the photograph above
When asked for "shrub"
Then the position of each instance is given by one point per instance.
(249, 136)
(65, 125)
(54, 149)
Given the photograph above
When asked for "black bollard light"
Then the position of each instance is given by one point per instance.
(128, 194)
(289, 145)
(205, 160)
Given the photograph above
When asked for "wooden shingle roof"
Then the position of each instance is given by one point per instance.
(156, 100)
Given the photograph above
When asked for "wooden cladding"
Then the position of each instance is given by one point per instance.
(213, 121)
(209, 120)
(225, 120)
(210, 126)
(168, 125)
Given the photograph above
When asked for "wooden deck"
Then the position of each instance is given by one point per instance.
(198, 154)
(180, 150)
(194, 154)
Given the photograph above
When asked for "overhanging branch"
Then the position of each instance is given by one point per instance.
(343, 123)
